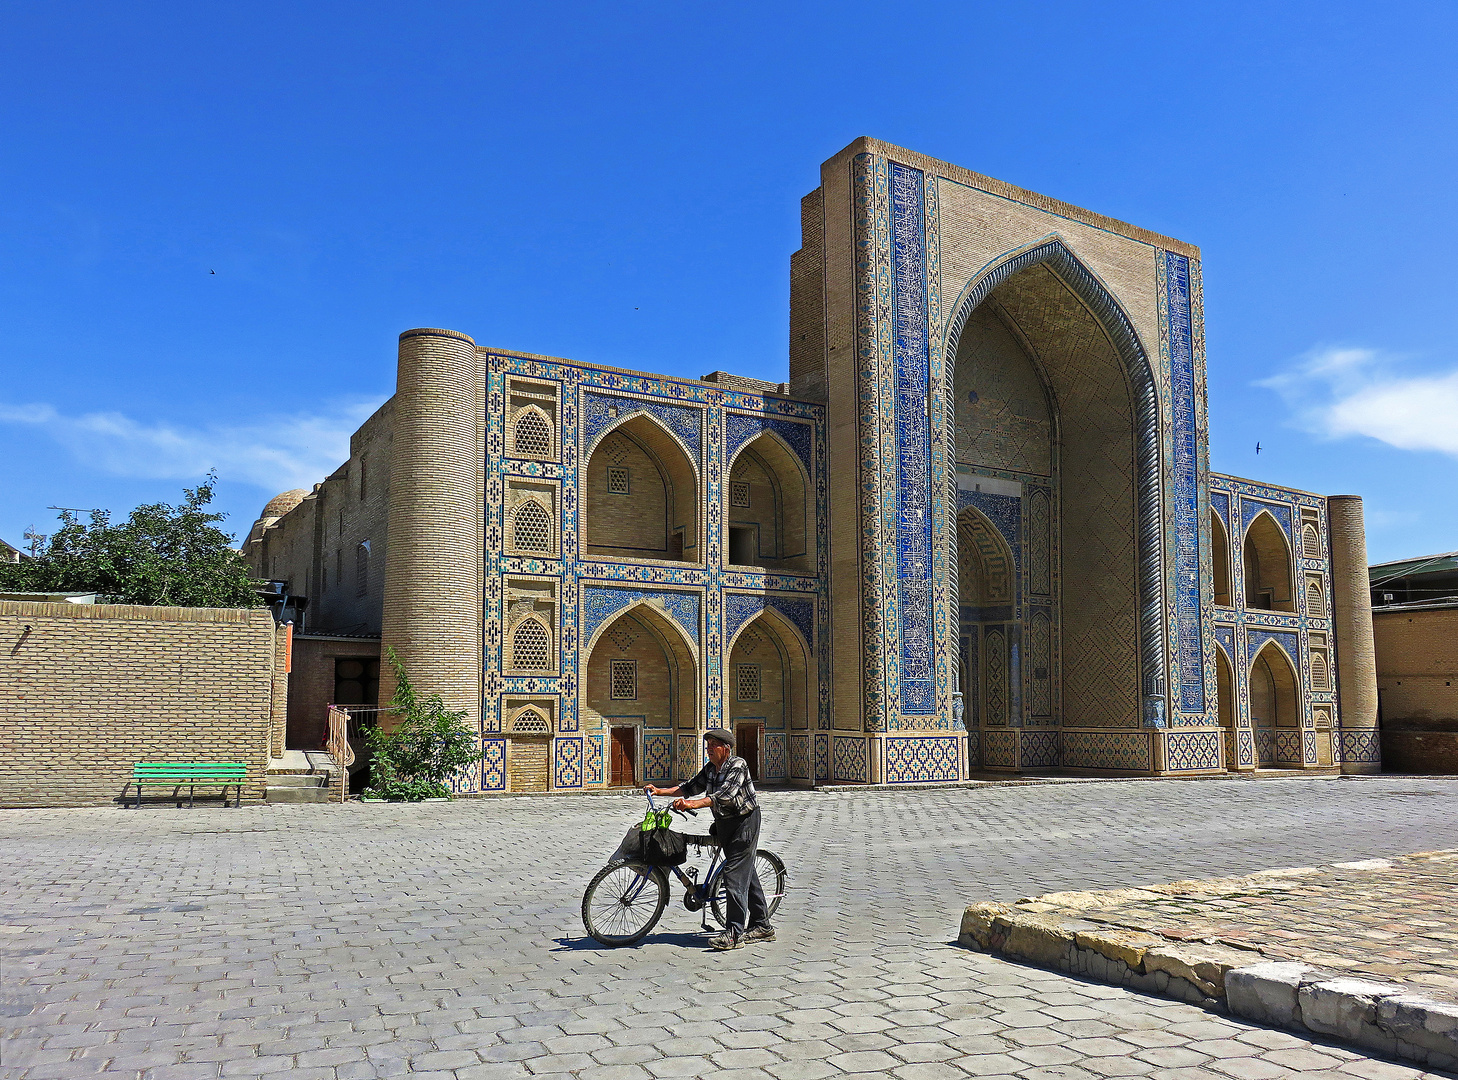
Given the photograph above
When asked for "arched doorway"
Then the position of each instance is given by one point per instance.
(642, 495)
(1274, 703)
(988, 634)
(641, 688)
(1267, 566)
(768, 517)
(1053, 394)
(768, 690)
(1225, 705)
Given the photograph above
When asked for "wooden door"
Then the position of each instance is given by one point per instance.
(625, 757)
(746, 745)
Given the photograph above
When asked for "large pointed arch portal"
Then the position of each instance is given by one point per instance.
(1101, 395)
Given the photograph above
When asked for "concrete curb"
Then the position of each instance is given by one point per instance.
(1384, 1017)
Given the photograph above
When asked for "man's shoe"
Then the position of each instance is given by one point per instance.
(762, 932)
(727, 940)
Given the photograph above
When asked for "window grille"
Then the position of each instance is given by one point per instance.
(622, 637)
(618, 480)
(617, 451)
(531, 722)
(531, 647)
(1310, 542)
(362, 569)
(533, 435)
(738, 493)
(624, 678)
(1314, 606)
(746, 682)
(531, 528)
(1320, 672)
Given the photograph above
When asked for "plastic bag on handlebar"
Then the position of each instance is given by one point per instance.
(664, 847)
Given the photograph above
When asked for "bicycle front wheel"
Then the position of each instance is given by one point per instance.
(623, 902)
(771, 879)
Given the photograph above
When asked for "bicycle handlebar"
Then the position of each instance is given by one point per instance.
(654, 806)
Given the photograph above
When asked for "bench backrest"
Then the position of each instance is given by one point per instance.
(182, 771)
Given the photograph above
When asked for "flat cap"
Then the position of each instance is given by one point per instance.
(718, 734)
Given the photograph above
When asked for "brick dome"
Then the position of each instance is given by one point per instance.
(281, 504)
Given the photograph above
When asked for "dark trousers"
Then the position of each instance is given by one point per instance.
(740, 840)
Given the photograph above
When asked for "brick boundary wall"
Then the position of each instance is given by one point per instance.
(88, 691)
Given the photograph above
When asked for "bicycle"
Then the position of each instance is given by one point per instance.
(624, 902)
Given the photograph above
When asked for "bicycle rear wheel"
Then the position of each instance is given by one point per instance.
(623, 902)
(771, 879)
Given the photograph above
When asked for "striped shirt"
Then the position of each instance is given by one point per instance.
(730, 789)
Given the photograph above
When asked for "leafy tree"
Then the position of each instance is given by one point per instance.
(162, 554)
(426, 748)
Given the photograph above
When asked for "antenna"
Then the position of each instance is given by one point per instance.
(37, 541)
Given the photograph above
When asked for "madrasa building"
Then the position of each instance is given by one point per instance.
(974, 532)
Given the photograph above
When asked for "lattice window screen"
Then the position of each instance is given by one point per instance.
(746, 682)
(531, 722)
(738, 493)
(1315, 605)
(624, 677)
(532, 528)
(531, 647)
(533, 436)
(618, 480)
(1310, 542)
(1320, 672)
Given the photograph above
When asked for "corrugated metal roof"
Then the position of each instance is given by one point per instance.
(1444, 562)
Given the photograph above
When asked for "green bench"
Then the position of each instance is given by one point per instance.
(191, 775)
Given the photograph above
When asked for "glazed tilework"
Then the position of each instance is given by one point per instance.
(800, 757)
(1189, 648)
(567, 758)
(849, 758)
(493, 765)
(1192, 751)
(657, 758)
(922, 758)
(1127, 752)
(775, 766)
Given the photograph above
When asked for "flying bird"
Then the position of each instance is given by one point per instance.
(1258, 448)
(212, 271)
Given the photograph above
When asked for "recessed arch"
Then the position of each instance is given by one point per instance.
(660, 699)
(531, 433)
(1268, 569)
(1225, 703)
(1220, 559)
(642, 494)
(1113, 638)
(986, 589)
(1274, 688)
(531, 645)
(768, 683)
(768, 508)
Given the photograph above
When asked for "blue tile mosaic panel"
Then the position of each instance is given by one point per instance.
(600, 602)
(739, 608)
(493, 765)
(601, 411)
(776, 757)
(740, 428)
(1189, 647)
(658, 758)
(568, 763)
(913, 439)
(850, 758)
(800, 757)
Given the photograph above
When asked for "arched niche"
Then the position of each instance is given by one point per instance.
(986, 584)
(642, 678)
(642, 495)
(1040, 312)
(771, 643)
(1274, 697)
(1225, 703)
(1268, 574)
(1220, 559)
(769, 515)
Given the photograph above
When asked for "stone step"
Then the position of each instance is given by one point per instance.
(297, 780)
(297, 794)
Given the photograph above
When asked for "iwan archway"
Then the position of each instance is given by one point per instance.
(1052, 431)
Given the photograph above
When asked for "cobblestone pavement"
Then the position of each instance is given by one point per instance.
(443, 940)
(1393, 920)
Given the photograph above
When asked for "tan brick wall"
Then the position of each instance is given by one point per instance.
(311, 686)
(88, 691)
(1417, 664)
(1352, 613)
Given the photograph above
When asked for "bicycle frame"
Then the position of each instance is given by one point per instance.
(703, 890)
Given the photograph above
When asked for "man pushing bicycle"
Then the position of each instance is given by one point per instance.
(728, 790)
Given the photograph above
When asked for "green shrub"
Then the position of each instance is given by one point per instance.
(427, 747)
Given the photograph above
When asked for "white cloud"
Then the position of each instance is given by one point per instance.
(275, 452)
(1340, 392)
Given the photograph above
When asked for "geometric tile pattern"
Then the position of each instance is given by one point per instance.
(568, 757)
(1189, 649)
(493, 765)
(922, 758)
(1188, 751)
(1040, 748)
(657, 758)
(1129, 752)
(800, 757)
(774, 767)
(850, 758)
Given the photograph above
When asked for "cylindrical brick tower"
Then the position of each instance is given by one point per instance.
(1352, 616)
(432, 616)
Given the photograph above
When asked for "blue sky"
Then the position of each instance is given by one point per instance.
(620, 184)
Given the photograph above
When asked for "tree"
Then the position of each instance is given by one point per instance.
(427, 747)
(162, 554)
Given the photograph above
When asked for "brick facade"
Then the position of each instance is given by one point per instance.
(88, 691)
